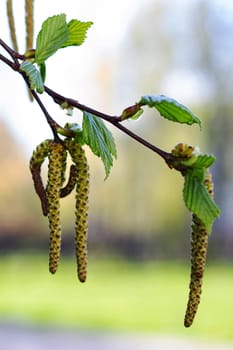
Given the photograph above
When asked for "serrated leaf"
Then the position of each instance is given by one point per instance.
(34, 76)
(53, 34)
(199, 166)
(77, 32)
(198, 200)
(98, 137)
(199, 173)
(170, 109)
(204, 161)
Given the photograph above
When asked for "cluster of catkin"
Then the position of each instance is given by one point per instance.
(199, 244)
(199, 238)
(57, 152)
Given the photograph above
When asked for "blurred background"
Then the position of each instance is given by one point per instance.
(139, 228)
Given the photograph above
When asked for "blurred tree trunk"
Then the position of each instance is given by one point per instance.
(194, 38)
(214, 35)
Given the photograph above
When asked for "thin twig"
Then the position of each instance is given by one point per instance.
(165, 155)
(59, 99)
(53, 125)
(14, 55)
(114, 120)
(8, 62)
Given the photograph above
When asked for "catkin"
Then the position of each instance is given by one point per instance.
(65, 191)
(11, 22)
(199, 244)
(53, 194)
(37, 159)
(63, 164)
(29, 23)
(183, 150)
(82, 192)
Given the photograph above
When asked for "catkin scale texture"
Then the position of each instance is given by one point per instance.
(82, 192)
(11, 22)
(199, 244)
(29, 4)
(63, 164)
(65, 191)
(40, 153)
(53, 194)
(38, 157)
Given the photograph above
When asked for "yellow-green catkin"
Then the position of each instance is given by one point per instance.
(37, 158)
(182, 150)
(53, 194)
(199, 244)
(29, 6)
(82, 192)
(65, 191)
(63, 165)
(11, 22)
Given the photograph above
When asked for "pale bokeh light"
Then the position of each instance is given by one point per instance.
(72, 71)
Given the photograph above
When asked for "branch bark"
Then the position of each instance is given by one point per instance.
(59, 99)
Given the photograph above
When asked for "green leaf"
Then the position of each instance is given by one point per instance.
(199, 173)
(198, 200)
(99, 139)
(132, 112)
(34, 76)
(204, 161)
(199, 163)
(53, 34)
(42, 68)
(170, 109)
(77, 32)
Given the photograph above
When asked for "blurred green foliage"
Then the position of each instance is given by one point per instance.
(184, 52)
(118, 295)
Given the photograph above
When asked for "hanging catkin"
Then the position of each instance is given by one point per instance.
(63, 165)
(82, 192)
(36, 161)
(65, 191)
(29, 23)
(199, 244)
(56, 157)
(11, 22)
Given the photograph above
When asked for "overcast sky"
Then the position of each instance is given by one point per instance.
(111, 20)
(75, 79)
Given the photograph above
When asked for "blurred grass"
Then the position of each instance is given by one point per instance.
(118, 295)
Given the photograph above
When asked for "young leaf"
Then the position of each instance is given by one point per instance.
(42, 68)
(77, 32)
(198, 200)
(204, 161)
(34, 76)
(53, 34)
(170, 109)
(99, 139)
(199, 163)
(132, 112)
